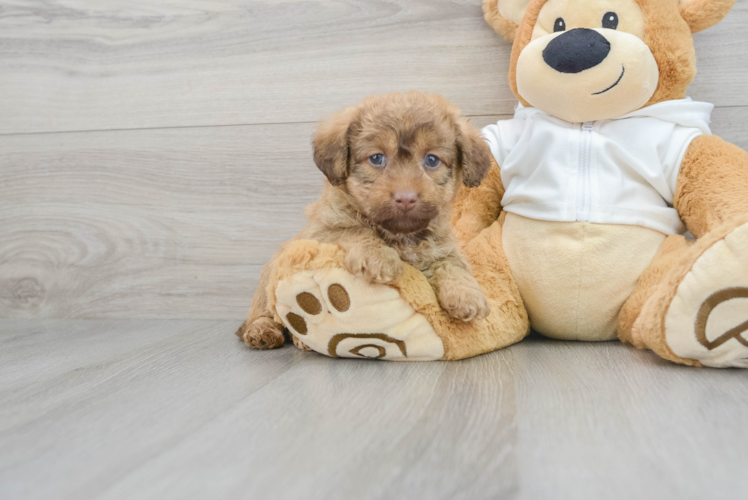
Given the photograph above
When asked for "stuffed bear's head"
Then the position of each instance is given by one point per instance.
(585, 60)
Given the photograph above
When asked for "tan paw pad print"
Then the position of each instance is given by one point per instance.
(341, 315)
(708, 318)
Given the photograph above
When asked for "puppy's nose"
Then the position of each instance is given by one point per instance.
(576, 51)
(405, 200)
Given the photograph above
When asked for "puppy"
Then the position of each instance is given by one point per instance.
(394, 164)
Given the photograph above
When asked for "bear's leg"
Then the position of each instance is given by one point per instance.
(340, 314)
(673, 249)
(507, 322)
(691, 304)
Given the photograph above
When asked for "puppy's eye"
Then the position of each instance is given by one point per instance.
(610, 20)
(377, 160)
(431, 161)
(559, 25)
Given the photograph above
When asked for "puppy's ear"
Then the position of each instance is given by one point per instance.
(703, 14)
(475, 155)
(505, 16)
(330, 143)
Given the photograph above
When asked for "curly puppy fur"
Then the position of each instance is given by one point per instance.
(394, 164)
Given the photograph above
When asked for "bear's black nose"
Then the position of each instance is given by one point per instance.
(576, 51)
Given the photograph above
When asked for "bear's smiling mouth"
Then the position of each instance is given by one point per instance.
(623, 70)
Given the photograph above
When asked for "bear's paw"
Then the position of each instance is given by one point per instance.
(341, 315)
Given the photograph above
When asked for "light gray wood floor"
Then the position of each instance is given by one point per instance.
(175, 409)
(153, 156)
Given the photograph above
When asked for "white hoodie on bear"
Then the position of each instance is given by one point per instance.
(620, 171)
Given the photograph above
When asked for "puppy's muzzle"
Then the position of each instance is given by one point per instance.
(396, 219)
(576, 50)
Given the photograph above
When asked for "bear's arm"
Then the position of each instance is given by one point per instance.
(477, 208)
(712, 185)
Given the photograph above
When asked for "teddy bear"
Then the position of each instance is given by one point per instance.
(578, 230)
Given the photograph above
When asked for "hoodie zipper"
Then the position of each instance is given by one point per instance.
(584, 196)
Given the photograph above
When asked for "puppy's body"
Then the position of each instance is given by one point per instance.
(394, 164)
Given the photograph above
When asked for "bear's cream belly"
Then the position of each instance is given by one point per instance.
(575, 276)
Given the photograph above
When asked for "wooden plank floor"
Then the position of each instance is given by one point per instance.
(76, 65)
(153, 155)
(175, 409)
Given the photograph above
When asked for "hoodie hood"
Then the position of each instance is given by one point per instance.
(684, 112)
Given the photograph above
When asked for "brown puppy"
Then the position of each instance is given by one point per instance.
(394, 164)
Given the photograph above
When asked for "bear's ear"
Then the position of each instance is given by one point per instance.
(703, 14)
(505, 15)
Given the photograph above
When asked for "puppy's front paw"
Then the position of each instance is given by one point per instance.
(263, 333)
(377, 265)
(463, 302)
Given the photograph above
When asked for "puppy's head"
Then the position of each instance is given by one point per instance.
(401, 157)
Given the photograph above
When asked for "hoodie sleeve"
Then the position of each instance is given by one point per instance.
(503, 136)
(690, 119)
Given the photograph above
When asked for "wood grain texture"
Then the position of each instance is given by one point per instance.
(178, 409)
(88, 221)
(190, 166)
(168, 223)
(608, 421)
(181, 409)
(78, 65)
(177, 222)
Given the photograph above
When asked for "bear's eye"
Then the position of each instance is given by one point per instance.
(377, 160)
(610, 20)
(432, 161)
(559, 25)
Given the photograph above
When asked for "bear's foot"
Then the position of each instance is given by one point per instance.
(341, 315)
(700, 315)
